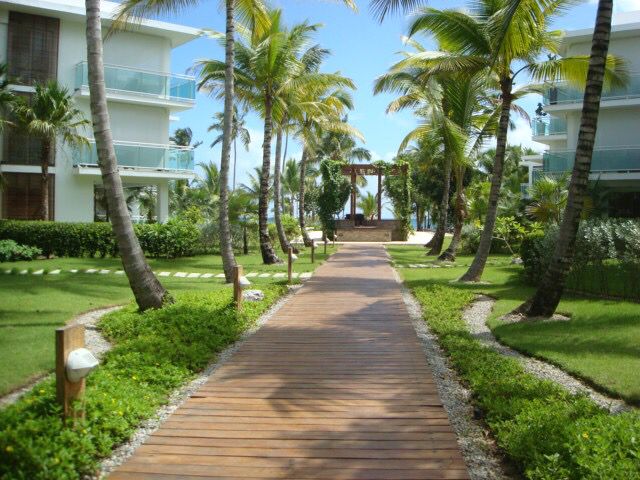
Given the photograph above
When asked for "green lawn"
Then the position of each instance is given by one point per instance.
(32, 307)
(600, 344)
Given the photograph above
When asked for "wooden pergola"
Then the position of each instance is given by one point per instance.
(364, 169)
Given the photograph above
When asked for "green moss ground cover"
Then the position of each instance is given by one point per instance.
(548, 433)
(32, 307)
(154, 353)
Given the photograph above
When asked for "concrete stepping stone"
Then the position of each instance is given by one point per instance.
(264, 275)
(90, 270)
(104, 272)
(38, 272)
(119, 272)
(279, 275)
(181, 274)
(252, 274)
(220, 275)
(306, 275)
(194, 275)
(55, 272)
(164, 274)
(295, 275)
(208, 275)
(73, 270)
(24, 272)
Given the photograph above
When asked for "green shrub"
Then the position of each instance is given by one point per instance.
(65, 239)
(11, 251)
(289, 224)
(154, 353)
(549, 433)
(533, 255)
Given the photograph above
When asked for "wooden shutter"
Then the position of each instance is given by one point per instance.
(21, 196)
(32, 48)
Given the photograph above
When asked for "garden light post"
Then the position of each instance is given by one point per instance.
(292, 258)
(313, 251)
(73, 364)
(325, 245)
(239, 282)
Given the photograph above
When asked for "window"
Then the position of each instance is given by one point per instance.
(21, 196)
(32, 54)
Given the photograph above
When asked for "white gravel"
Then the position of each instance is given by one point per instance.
(480, 453)
(123, 452)
(476, 317)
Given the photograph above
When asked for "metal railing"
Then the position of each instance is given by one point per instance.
(166, 86)
(605, 160)
(141, 155)
(550, 126)
(561, 92)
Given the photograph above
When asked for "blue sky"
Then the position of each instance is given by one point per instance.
(361, 48)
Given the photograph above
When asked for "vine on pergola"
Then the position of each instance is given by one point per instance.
(334, 192)
(398, 188)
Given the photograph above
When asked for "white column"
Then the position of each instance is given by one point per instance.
(162, 202)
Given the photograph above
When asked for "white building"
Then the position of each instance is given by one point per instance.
(42, 40)
(616, 158)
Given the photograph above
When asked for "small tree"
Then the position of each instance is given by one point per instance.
(49, 115)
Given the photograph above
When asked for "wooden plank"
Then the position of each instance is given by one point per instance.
(335, 386)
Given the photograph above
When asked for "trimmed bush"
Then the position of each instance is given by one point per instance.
(175, 238)
(289, 224)
(155, 352)
(11, 251)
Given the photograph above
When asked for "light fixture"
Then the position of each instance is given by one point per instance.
(80, 363)
(244, 281)
(294, 257)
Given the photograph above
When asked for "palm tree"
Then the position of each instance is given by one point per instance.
(179, 192)
(505, 37)
(548, 199)
(147, 290)
(291, 183)
(183, 137)
(545, 301)
(49, 115)
(369, 205)
(238, 130)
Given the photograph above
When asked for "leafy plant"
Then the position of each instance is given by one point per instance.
(334, 192)
(11, 251)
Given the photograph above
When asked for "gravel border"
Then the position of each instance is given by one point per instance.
(179, 396)
(476, 317)
(94, 341)
(481, 455)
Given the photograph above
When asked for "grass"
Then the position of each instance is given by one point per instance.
(32, 307)
(580, 441)
(601, 343)
(154, 353)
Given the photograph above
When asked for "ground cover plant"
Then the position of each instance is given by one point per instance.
(154, 353)
(581, 441)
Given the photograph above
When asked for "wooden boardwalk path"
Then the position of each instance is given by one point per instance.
(334, 387)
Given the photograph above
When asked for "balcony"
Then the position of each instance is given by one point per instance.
(549, 127)
(140, 160)
(141, 86)
(561, 93)
(605, 161)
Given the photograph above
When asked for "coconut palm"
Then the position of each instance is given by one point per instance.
(545, 301)
(50, 114)
(506, 38)
(548, 199)
(291, 183)
(147, 290)
(369, 205)
(238, 130)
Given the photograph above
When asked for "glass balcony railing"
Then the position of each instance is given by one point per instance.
(605, 160)
(561, 93)
(140, 155)
(165, 86)
(547, 127)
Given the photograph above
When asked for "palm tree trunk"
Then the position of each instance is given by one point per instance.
(284, 162)
(303, 173)
(461, 213)
(235, 162)
(479, 261)
(546, 299)
(226, 244)
(277, 192)
(147, 290)
(438, 239)
(44, 179)
(245, 241)
(268, 254)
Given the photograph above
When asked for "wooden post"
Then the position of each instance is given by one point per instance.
(379, 194)
(325, 246)
(237, 288)
(68, 339)
(354, 179)
(290, 264)
(313, 251)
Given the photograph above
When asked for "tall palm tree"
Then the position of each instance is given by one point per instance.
(183, 137)
(291, 183)
(238, 130)
(51, 114)
(545, 301)
(506, 38)
(147, 290)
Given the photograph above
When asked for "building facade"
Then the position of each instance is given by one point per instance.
(615, 170)
(45, 40)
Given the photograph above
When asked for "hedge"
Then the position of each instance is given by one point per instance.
(155, 352)
(175, 238)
